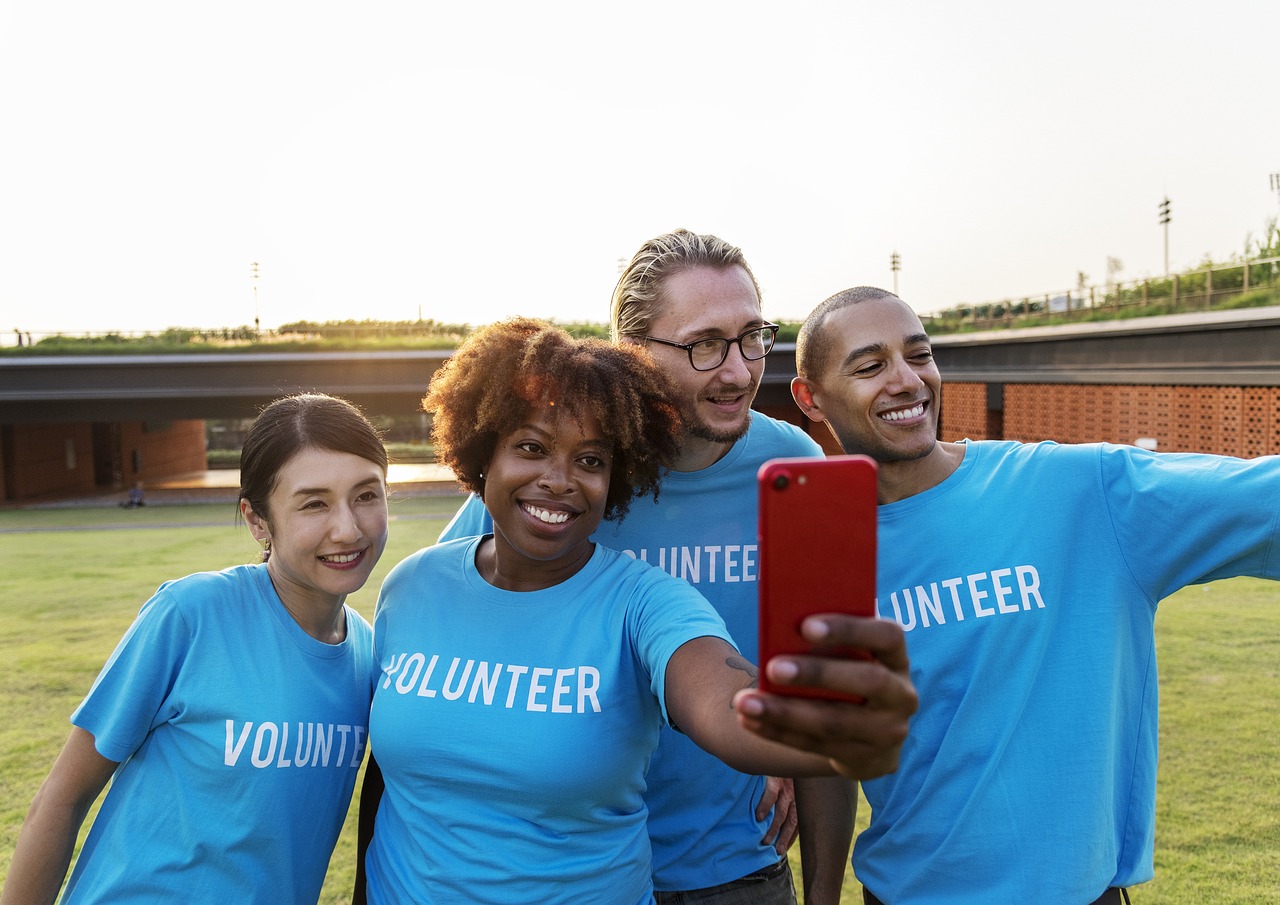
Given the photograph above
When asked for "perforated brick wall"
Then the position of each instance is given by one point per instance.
(1232, 421)
(964, 411)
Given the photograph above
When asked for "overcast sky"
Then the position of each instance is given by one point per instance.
(468, 161)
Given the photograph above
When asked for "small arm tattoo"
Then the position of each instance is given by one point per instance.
(744, 665)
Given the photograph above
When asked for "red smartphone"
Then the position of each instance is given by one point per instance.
(817, 534)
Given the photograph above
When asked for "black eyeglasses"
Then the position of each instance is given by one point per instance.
(709, 354)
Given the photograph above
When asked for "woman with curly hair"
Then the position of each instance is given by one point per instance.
(527, 671)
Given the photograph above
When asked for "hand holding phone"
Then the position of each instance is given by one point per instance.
(817, 533)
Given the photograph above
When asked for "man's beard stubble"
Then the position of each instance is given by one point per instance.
(699, 429)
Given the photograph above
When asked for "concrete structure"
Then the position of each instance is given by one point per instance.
(1206, 382)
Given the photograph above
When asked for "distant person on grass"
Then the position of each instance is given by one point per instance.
(135, 498)
(528, 670)
(232, 718)
(1027, 578)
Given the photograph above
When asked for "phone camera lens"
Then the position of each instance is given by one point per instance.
(781, 482)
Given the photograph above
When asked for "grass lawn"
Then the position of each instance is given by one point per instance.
(71, 582)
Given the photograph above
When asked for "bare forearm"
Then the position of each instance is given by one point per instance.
(42, 855)
(825, 808)
(702, 678)
(749, 753)
(48, 835)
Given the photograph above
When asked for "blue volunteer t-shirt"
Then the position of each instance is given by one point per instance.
(702, 529)
(513, 729)
(1027, 583)
(239, 737)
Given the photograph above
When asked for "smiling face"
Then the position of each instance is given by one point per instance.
(709, 303)
(545, 487)
(879, 387)
(327, 524)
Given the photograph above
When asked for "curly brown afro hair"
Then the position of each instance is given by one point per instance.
(488, 387)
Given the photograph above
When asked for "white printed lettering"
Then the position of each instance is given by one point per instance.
(712, 553)
(1011, 590)
(302, 753)
(536, 688)
(324, 744)
(259, 758)
(455, 692)
(977, 595)
(561, 689)
(233, 752)
(710, 564)
(929, 605)
(1029, 586)
(423, 690)
(357, 750)
(484, 683)
(515, 672)
(588, 684)
(343, 732)
(284, 747)
(952, 585)
(1002, 590)
(408, 678)
(907, 622)
(731, 563)
(313, 746)
(547, 689)
(392, 669)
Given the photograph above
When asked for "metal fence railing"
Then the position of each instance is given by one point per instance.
(1197, 290)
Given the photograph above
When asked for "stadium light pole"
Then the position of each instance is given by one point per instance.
(1165, 217)
(895, 264)
(253, 275)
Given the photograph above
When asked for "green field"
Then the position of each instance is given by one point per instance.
(72, 580)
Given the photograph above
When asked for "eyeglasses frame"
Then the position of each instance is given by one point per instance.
(737, 340)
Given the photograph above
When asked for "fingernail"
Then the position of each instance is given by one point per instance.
(816, 629)
(750, 705)
(783, 670)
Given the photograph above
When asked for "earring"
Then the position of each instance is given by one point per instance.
(266, 549)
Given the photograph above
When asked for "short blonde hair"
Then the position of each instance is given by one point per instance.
(638, 299)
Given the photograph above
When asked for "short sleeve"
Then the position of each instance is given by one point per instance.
(131, 695)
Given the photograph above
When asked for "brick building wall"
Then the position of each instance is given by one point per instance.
(47, 458)
(964, 412)
(156, 450)
(1229, 421)
(42, 459)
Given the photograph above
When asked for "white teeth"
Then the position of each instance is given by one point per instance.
(546, 515)
(914, 412)
(341, 557)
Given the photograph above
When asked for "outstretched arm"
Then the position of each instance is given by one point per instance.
(780, 736)
(48, 835)
(703, 676)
